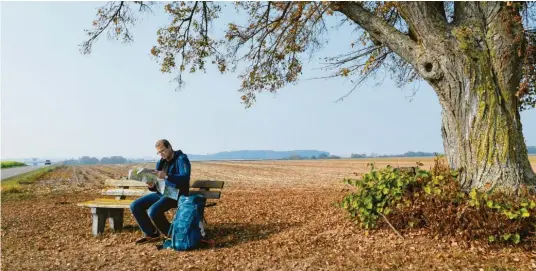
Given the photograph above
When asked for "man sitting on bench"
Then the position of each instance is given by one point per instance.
(174, 167)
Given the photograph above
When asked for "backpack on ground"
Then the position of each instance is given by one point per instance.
(187, 227)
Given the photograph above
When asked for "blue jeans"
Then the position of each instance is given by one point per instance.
(152, 207)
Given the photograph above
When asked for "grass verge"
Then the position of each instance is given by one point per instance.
(9, 164)
(15, 183)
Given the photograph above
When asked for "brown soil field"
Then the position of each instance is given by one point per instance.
(273, 215)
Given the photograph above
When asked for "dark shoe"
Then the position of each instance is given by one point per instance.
(148, 239)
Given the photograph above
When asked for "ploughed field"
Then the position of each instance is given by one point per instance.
(273, 215)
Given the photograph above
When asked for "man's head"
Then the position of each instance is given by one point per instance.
(164, 149)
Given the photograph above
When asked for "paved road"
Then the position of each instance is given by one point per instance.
(14, 171)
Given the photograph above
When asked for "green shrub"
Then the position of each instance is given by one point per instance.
(377, 193)
(432, 199)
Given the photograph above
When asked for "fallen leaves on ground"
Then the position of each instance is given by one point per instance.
(272, 216)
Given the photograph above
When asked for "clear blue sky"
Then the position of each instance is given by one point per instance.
(56, 102)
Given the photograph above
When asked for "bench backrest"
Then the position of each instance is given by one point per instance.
(204, 186)
(123, 188)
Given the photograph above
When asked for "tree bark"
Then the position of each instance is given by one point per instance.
(474, 66)
(481, 126)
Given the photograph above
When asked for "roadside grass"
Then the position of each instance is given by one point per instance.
(10, 164)
(15, 184)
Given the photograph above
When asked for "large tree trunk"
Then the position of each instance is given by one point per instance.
(474, 65)
(483, 138)
(476, 73)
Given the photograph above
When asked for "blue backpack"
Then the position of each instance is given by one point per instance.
(185, 231)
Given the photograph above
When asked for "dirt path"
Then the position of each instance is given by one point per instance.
(286, 222)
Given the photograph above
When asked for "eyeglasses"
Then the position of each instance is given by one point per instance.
(162, 151)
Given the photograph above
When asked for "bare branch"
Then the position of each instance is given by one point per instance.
(358, 83)
(352, 56)
(391, 226)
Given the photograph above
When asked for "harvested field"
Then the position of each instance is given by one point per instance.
(273, 215)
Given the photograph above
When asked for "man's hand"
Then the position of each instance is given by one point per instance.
(161, 174)
(151, 185)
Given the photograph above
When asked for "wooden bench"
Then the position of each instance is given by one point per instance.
(113, 208)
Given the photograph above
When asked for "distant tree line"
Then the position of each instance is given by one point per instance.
(86, 160)
(530, 150)
(320, 156)
(407, 154)
(357, 155)
(360, 155)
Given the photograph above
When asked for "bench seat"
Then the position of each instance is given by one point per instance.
(106, 203)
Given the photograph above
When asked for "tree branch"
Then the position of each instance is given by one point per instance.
(464, 11)
(187, 32)
(354, 55)
(378, 29)
(393, 228)
(205, 16)
(118, 13)
(86, 46)
(426, 20)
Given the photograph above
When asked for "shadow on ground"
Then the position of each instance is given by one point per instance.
(226, 235)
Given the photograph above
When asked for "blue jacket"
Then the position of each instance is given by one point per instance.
(178, 172)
